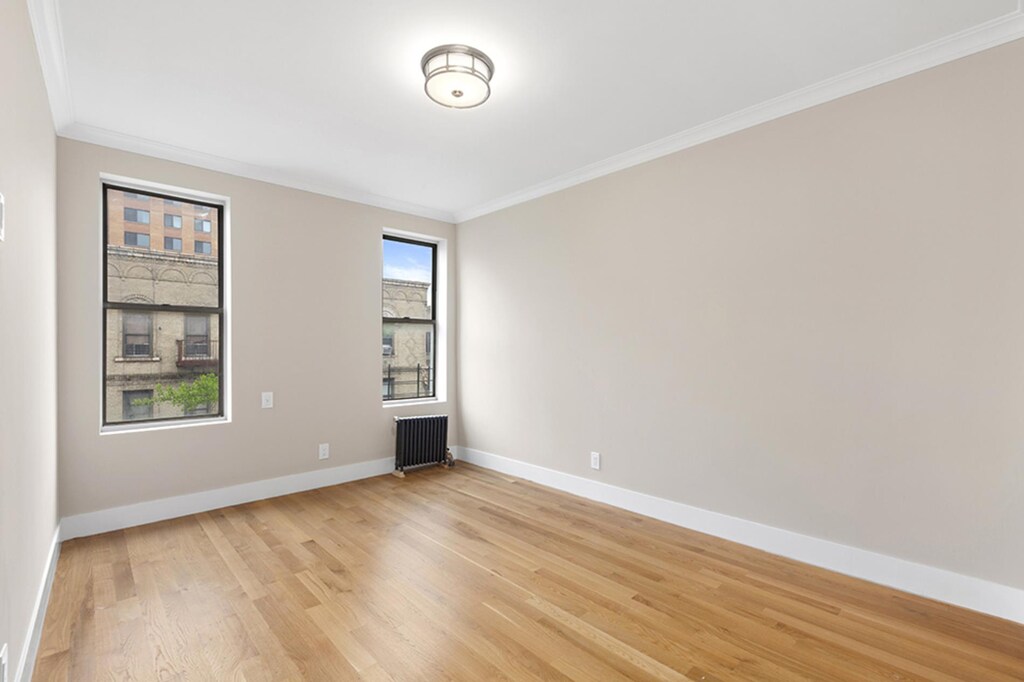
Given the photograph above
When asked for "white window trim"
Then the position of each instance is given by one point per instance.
(440, 318)
(225, 255)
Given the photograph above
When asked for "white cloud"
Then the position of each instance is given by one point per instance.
(410, 273)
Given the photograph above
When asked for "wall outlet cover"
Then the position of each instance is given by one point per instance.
(324, 450)
(267, 399)
(595, 460)
(2, 223)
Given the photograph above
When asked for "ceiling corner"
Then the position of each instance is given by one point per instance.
(46, 25)
(993, 33)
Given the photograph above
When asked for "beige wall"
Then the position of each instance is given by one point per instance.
(817, 324)
(28, 449)
(305, 324)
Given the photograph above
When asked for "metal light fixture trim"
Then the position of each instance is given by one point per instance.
(457, 76)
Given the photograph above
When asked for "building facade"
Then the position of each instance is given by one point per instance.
(407, 346)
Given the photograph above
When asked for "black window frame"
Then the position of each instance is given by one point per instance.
(431, 321)
(108, 305)
(171, 217)
(181, 243)
(206, 252)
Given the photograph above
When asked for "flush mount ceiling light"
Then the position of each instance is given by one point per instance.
(457, 76)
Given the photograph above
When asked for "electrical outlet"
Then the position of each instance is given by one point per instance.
(267, 399)
(595, 460)
(3, 663)
(2, 212)
(324, 451)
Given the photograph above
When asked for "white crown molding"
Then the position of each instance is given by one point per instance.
(128, 516)
(49, 38)
(975, 39)
(26, 664)
(925, 581)
(46, 25)
(138, 145)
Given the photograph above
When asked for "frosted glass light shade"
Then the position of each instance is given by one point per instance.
(457, 76)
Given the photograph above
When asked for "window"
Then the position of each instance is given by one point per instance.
(204, 248)
(172, 221)
(202, 225)
(136, 215)
(131, 410)
(163, 337)
(137, 335)
(136, 239)
(197, 336)
(408, 318)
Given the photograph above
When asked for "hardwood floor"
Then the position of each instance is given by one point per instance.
(470, 575)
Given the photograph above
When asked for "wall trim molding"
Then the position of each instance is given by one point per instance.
(294, 180)
(46, 24)
(27, 662)
(49, 34)
(949, 48)
(128, 516)
(926, 581)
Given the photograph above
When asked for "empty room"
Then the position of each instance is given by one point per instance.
(565, 340)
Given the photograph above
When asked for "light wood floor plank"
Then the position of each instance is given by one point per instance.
(467, 574)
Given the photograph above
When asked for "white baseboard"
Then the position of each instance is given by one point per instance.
(93, 523)
(23, 673)
(925, 581)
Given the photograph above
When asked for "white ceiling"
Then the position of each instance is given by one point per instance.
(327, 94)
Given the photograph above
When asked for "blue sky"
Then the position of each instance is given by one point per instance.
(406, 261)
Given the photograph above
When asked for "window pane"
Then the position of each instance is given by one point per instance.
(175, 356)
(137, 405)
(136, 215)
(136, 239)
(145, 259)
(408, 280)
(137, 335)
(408, 364)
(203, 248)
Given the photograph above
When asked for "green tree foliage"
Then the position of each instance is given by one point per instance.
(188, 395)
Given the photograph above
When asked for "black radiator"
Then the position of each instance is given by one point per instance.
(421, 440)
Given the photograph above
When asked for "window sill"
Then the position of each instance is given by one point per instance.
(137, 359)
(412, 401)
(129, 427)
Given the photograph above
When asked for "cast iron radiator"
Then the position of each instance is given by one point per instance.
(421, 440)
